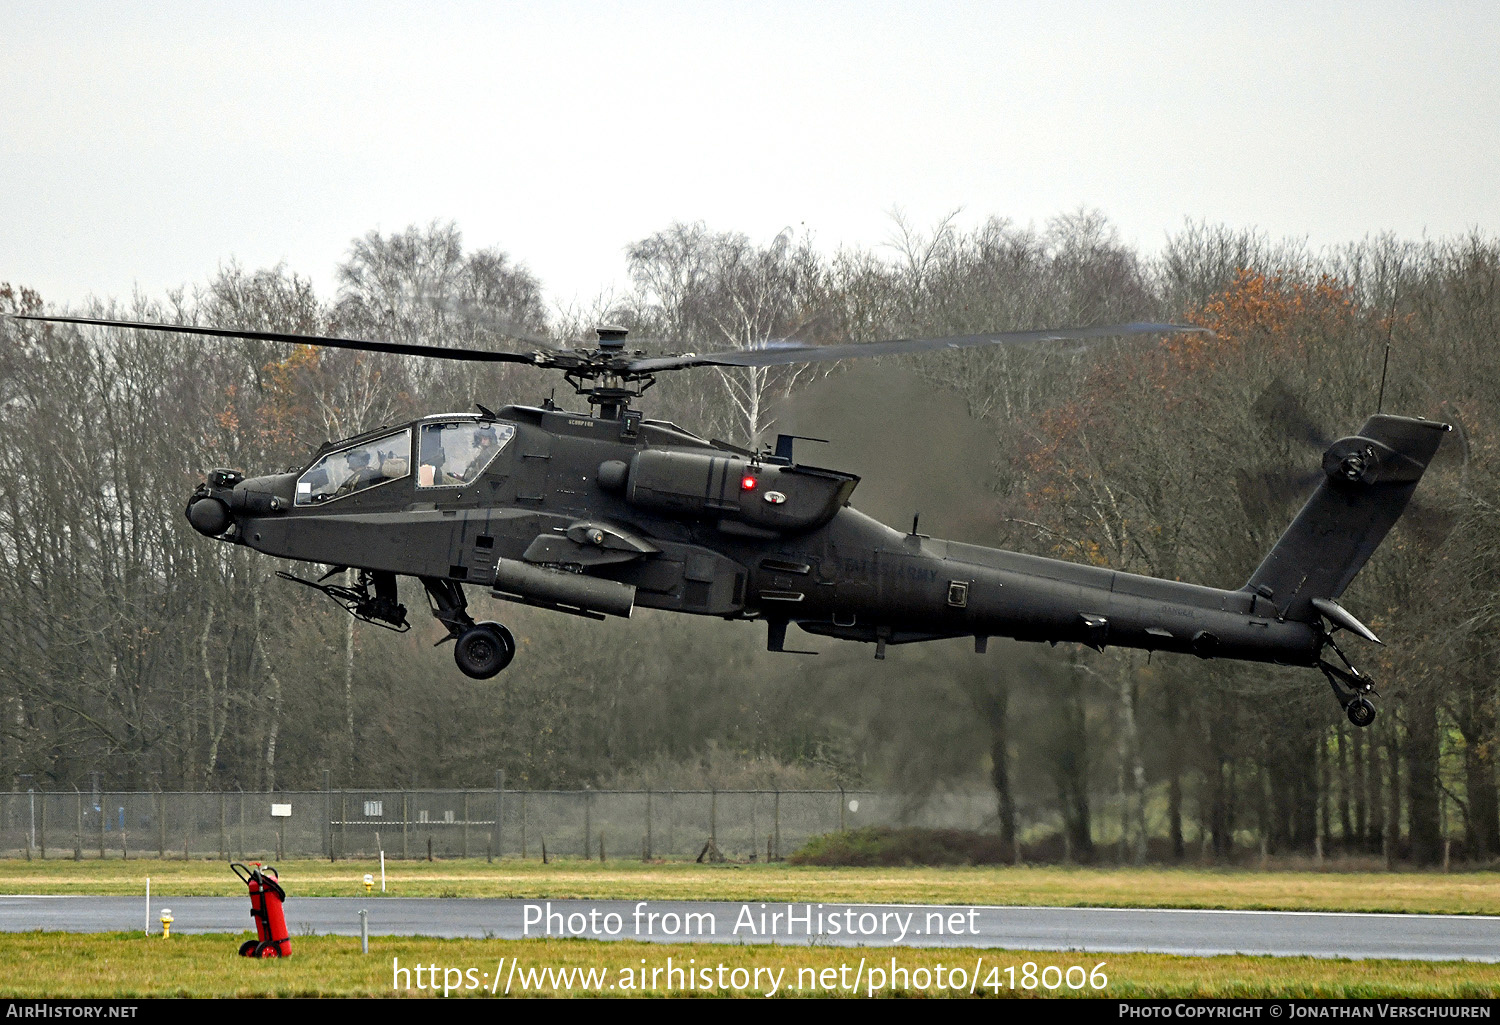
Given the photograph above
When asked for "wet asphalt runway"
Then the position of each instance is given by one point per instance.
(1103, 930)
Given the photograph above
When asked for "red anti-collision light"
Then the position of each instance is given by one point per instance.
(747, 484)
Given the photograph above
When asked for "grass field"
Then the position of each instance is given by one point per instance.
(1456, 893)
(121, 965)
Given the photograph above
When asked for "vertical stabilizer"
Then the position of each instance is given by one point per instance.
(1369, 478)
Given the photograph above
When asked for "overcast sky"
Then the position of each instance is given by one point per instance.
(141, 145)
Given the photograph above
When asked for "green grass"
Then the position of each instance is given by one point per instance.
(1428, 892)
(121, 965)
(885, 846)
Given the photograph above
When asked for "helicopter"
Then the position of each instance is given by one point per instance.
(597, 513)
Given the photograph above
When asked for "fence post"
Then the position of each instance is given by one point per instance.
(463, 844)
(1443, 828)
(648, 823)
(776, 813)
(524, 795)
(328, 814)
(713, 816)
(588, 814)
(841, 807)
(242, 818)
(102, 815)
(161, 825)
(497, 832)
(405, 822)
(44, 827)
(223, 832)
(343, 847)
(78, 836)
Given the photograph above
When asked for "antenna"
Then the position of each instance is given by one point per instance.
(1390, 330)
(1380, 400)
(784, 445)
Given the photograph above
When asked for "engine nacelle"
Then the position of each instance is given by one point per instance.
(706, 485)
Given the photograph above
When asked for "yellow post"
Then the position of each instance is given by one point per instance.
(166, 923)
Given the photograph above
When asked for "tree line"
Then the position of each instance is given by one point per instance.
(132, 648)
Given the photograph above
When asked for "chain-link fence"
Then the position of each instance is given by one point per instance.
(672, 824)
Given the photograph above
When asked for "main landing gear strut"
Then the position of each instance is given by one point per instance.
(1350, 686)
(481, 649)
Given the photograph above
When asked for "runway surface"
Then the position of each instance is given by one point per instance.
(1104, 930)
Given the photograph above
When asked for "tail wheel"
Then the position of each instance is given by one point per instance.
(1361, 712)
(483, 650)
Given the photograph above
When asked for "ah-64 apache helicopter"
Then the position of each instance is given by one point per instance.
(596, 513)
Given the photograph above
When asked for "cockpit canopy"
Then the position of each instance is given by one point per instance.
(347, 471)
(451, 453)
(454, 454)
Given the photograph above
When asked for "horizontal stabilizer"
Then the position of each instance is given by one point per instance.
(1340, 616)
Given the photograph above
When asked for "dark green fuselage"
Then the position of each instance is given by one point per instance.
(681, 533)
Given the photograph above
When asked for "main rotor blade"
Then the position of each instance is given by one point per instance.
(488, 318)
(778, 355)
(362, 344)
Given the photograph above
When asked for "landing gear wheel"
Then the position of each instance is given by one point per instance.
(247, 948)
(266, 949)
(483, 650)
(1361, 712)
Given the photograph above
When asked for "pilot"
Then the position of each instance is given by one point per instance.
(361, 473)
(484, 450)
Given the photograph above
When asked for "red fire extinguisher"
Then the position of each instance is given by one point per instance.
(266, 898)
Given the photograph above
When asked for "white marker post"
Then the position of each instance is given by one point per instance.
(281, 812)
(148, 905)
(382, 871)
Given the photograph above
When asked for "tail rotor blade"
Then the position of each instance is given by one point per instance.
(1283, 411)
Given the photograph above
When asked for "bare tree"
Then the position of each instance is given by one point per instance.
(707, 290)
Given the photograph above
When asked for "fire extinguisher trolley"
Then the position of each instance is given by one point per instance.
(266, 898)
